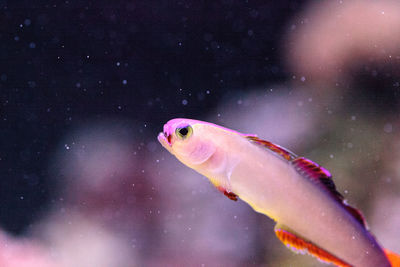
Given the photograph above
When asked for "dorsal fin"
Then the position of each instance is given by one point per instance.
(322, 177)
(282, 152)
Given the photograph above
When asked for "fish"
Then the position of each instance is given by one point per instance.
(298, 194)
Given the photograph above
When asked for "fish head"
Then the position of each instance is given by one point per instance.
(188, 140)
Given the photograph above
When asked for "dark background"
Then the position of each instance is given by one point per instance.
(63, 62)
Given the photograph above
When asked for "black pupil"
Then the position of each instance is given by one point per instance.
(183, 131)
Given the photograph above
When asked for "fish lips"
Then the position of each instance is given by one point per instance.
(165, 141)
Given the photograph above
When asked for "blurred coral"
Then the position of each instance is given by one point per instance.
(330, 37)
(24, 252)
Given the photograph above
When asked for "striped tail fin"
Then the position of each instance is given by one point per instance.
(393, 258)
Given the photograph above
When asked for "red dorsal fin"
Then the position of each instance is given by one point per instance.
(322, 177)
(356, 214)
(282, 152)
(317, 174)
(300, 245)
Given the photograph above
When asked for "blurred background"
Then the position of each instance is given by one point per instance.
(85, 87)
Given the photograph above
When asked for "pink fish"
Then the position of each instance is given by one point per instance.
(300, 195)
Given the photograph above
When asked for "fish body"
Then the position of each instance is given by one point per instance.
(295, 192)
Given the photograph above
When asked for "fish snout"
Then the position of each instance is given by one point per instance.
(167, 132)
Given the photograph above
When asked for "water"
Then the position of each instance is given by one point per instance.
(87, 85)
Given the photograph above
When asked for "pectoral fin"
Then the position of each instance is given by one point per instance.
(300, 245)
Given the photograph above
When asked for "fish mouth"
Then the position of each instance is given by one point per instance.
(165, 140)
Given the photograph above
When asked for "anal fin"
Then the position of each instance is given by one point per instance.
(300, 245)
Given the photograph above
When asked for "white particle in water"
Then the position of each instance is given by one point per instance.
(349, 145)
(184, 102)
(353, 118)
(118, 64)
(32, 45)
(208, 92)
(303, 79)
(331, 156)
(388, 128)
(66, 146)
(124, 82)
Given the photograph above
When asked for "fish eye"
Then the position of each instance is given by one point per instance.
(184, 132)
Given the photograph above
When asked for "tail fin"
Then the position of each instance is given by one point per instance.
(393, 258)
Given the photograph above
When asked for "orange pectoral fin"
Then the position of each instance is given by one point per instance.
(300, 245)
(393, 258)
